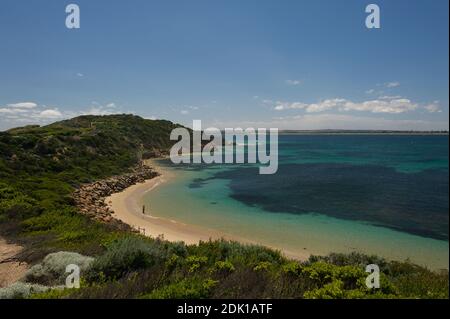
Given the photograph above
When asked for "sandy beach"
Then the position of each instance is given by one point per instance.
(128, 207)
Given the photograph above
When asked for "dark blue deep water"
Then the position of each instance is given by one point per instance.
(399, 182)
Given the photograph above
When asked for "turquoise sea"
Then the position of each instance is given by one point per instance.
(377, 194)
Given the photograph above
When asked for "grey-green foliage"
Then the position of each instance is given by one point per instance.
(52, 270)
(20, 290)
(129, 254)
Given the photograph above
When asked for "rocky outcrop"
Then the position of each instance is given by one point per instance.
(90, 198)
(154, 154)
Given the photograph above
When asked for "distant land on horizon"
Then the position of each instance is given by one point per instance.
(292, 131)
(367, 132)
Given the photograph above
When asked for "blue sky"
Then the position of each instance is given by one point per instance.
(286, 64)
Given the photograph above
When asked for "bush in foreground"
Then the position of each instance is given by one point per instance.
(124, 256)
(20, 290)
(138, 267)
(52, 270)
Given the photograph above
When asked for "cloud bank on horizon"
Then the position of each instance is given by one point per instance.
(290, 64)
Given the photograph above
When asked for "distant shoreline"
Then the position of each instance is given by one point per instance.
(387, 133)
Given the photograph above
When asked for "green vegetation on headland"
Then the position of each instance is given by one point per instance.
(40, 167)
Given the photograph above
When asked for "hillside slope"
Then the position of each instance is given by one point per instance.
(85, 147)
(41, 166)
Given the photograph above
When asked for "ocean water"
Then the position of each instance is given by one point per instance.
(377, 194)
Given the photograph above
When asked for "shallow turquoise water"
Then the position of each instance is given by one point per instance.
(386, 195)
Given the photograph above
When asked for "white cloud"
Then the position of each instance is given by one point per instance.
(386, 104)
(335, 121)
(390, 97)
(393, 106)
(25, 113)
(28, 112)
(184, 112)
(293, 82)
(325, 105)
(12, 110)
(23, 105)
(391, 84)
(371, 91)
(80, 75)
(97, 110)
(280, 106)
(433, 107)
(50, 114)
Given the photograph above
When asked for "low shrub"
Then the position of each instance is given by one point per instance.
(195, 262)
(192, 288)
(20, 290)
(223, 267)
(332, 290)
(52, 270)
(235, 252)
(292, 268)
(58, 293)
(126, 255)
(263, 266)
(335, 282)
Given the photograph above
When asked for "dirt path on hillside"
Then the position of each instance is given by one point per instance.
(10, 269)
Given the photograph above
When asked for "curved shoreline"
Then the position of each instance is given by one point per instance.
(127, 207)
